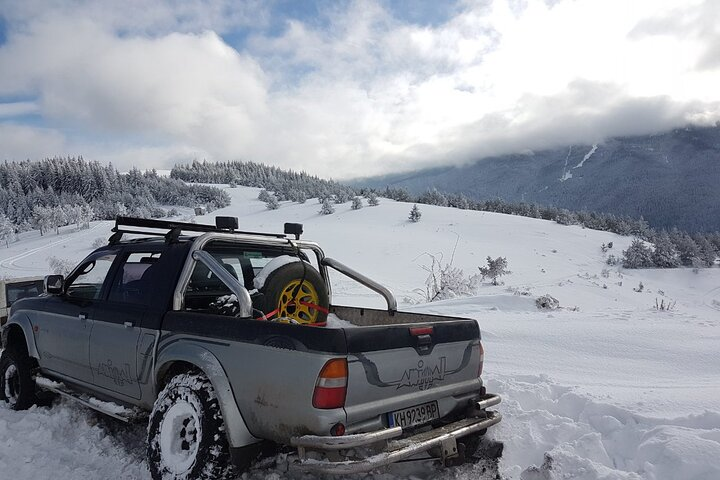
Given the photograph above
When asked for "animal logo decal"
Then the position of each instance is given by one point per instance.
(423, 376)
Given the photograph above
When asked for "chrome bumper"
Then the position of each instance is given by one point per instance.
(395, 450)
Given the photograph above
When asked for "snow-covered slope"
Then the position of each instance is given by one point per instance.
(606, 387)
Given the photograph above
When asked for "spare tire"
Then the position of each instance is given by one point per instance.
(287, 298)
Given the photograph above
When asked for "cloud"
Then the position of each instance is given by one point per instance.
(20, 142)
(358, 91)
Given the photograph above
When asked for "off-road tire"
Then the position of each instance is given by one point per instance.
(186, 432)
(278, 284)
(17, 385)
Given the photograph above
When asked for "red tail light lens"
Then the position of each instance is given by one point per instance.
(331, 385)
(482, 359)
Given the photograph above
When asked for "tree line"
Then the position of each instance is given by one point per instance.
(285, 184)
(54, 192)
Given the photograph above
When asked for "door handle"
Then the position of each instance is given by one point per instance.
(82, 316)
(129, 324)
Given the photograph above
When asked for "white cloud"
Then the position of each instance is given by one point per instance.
(20, 142)
(368, 94)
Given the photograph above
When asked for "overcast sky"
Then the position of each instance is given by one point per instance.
(347, 89)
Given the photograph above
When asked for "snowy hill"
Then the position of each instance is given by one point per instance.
(606, 387)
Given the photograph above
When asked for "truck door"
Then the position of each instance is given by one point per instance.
(116, 327)
(62, 329)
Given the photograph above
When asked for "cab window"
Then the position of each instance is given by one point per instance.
(88, 283)
(134, 281)
(206, 292)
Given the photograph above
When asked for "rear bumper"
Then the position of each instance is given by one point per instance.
(395, 448)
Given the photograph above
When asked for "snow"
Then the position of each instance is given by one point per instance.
(267, 270)
(605, 387)
(587, 156)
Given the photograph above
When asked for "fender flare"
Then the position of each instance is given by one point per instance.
(192, 353)
(21, 321)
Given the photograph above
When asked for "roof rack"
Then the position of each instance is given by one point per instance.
(171, 230)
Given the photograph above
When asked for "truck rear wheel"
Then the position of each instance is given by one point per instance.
(186, 433)
(17, 386)
(287, 297)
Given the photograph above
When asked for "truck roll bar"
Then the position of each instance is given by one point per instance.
(238, 290)
(368, 282)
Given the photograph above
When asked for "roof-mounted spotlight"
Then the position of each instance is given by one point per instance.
(294, 229)
(226, 223)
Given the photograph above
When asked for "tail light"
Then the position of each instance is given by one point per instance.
(482, 359)
(331, 385)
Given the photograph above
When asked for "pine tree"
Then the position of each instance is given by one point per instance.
(495, 269)
(373, 199)
(415, 214)
(7, 230)
(638, 255)
(326, 208)
(272, 203)
(665, 254)
(356, 203)
(264, 195)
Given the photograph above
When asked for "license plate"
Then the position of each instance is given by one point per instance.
(417, 415)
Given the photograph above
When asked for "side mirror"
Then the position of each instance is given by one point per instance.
(54, 284)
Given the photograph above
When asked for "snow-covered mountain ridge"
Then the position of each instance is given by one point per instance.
(606, 387)
(669, 178)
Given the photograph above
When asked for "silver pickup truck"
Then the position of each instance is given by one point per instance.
(227, 341)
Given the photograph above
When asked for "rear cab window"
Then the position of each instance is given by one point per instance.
(207, 293)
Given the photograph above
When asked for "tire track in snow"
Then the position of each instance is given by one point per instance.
(10, 262)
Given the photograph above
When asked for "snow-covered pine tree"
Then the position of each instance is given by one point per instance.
(264, 195)
(638, 255)
(341, 197)
(373, 199)
(42, 218)
(707, 250)
(7, 230)
(433, 197)
(356, 203)
(415, 214)
(272, 203)
(495, 269)
(326, 208)
(665, 254)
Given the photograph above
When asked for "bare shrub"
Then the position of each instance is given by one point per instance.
(60, 266)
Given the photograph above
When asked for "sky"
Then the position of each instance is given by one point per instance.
(346, 89)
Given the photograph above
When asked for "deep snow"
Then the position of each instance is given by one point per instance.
(607, 387)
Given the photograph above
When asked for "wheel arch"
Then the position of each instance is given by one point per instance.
(18, 332)
(182, 357)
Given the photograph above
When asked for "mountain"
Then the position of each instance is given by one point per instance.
(671, 179)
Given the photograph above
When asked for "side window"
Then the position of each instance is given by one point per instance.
(135, 279)
(16, 291)
(88, 284)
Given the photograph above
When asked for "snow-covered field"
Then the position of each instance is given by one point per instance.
(607, 387)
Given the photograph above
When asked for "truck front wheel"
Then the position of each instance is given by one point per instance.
(186, 433)
(17, 386)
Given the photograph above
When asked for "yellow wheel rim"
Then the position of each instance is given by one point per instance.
(298, 308)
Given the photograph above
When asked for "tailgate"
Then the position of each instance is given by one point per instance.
(391, 368)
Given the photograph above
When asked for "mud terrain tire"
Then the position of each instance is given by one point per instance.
(186, 433)
(17, 385)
